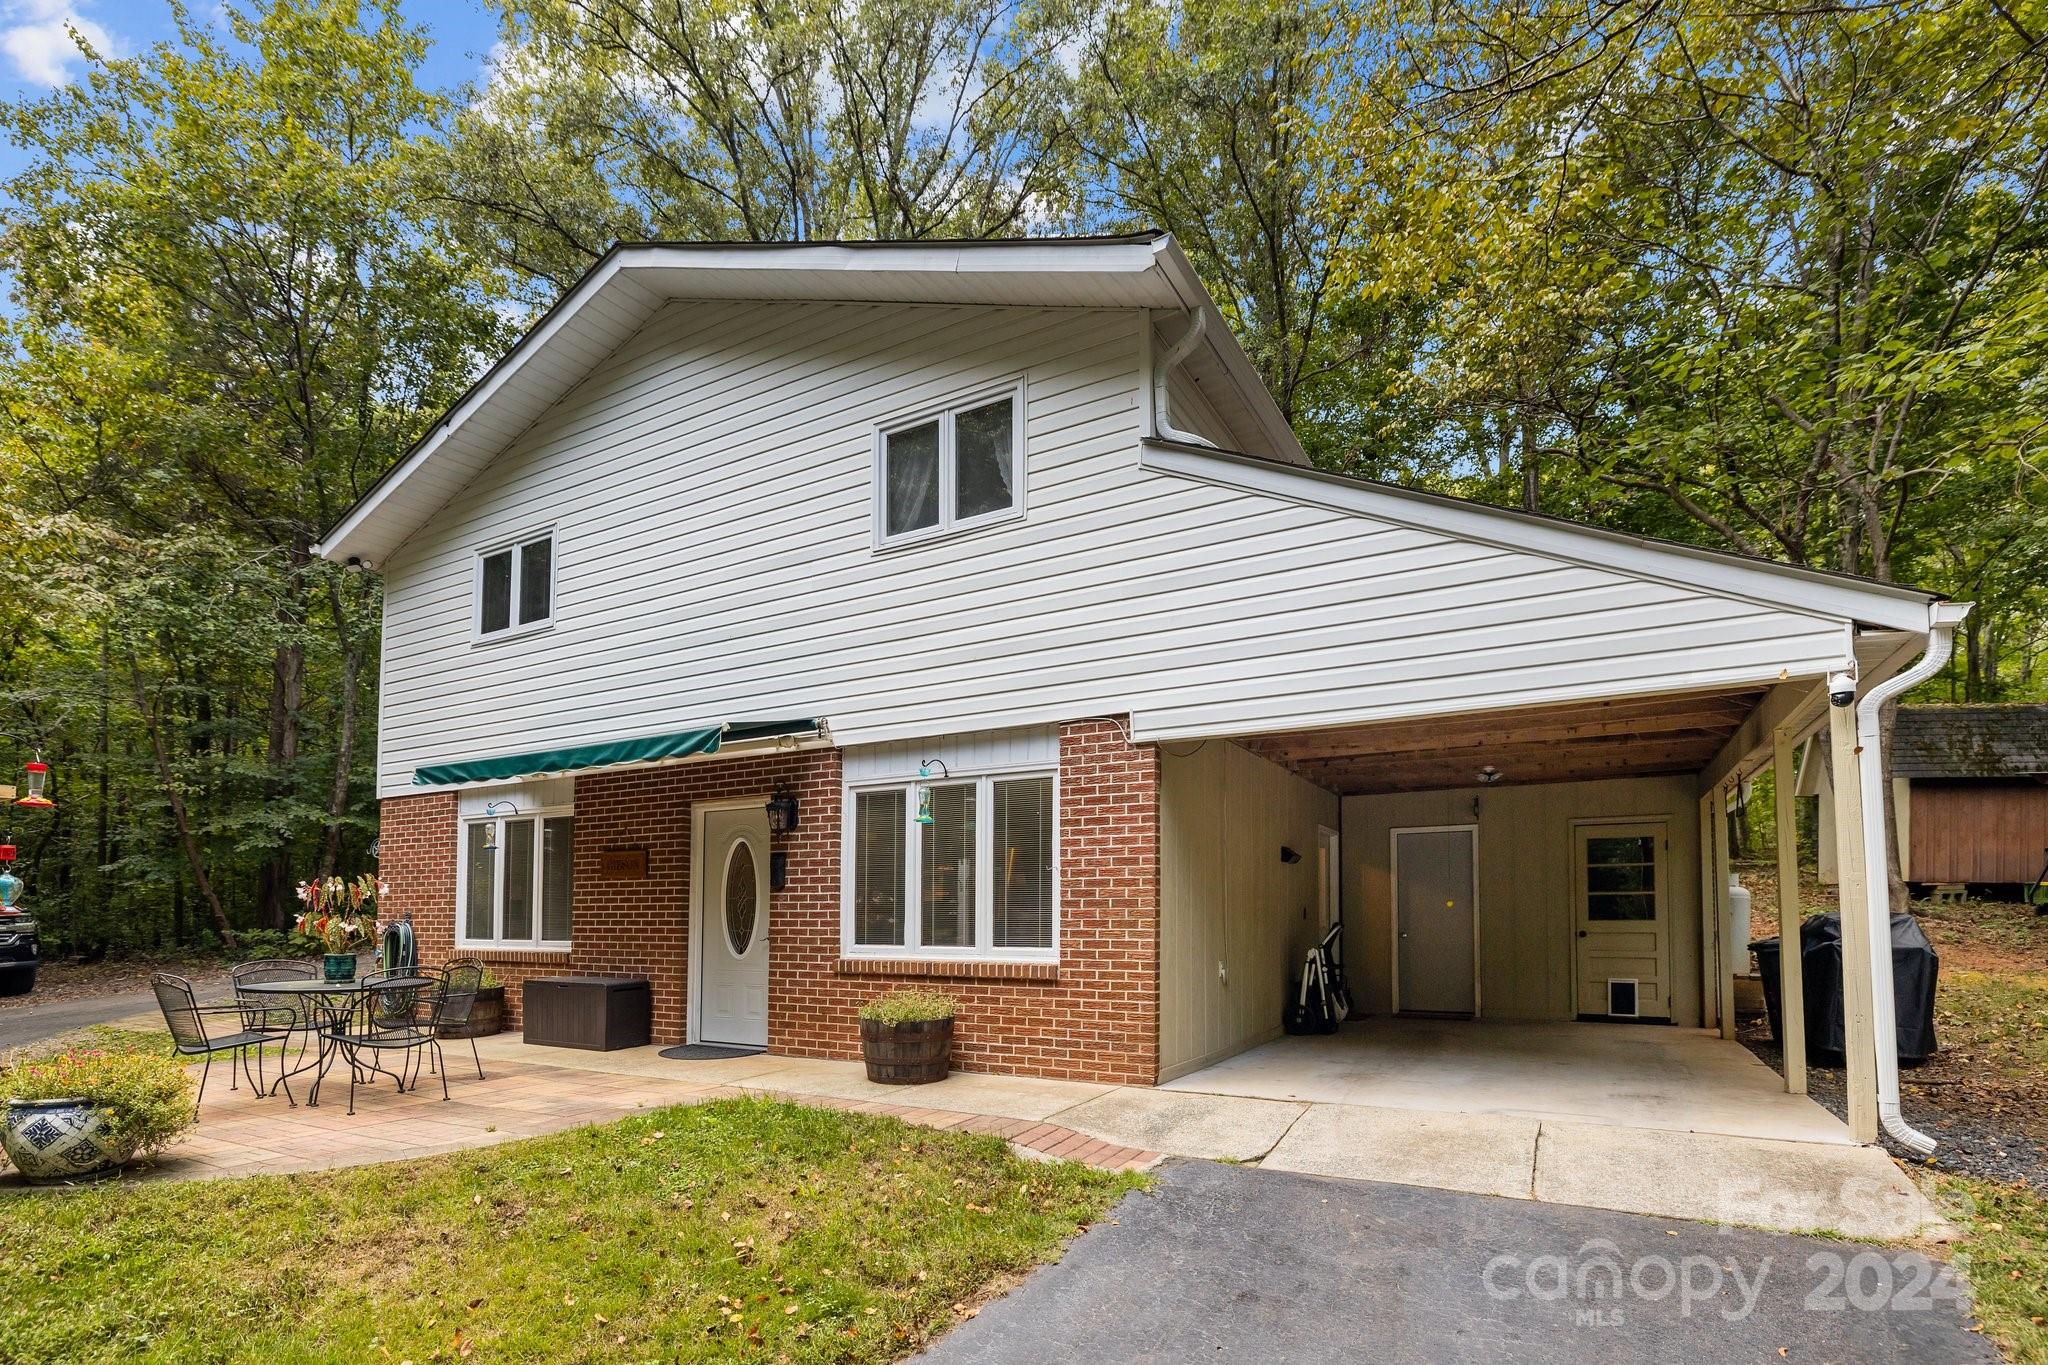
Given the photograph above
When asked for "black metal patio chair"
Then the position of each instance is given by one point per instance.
(465, 976)
(190, 1036)
(397, 1012)
(269, 1014)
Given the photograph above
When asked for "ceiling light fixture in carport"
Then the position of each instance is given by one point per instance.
(1488, 775)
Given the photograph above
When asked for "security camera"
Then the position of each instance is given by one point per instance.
(1842, 689)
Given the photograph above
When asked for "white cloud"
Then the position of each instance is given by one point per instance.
(36, 37)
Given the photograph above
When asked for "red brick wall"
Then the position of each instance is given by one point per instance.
(1093, 1017)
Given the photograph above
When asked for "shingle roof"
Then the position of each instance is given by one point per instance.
(2009, 740)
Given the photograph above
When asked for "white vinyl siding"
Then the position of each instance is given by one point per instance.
(716, 479)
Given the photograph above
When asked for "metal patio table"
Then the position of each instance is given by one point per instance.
(334, 1002)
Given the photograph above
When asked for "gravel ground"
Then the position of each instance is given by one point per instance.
(1971, 1143)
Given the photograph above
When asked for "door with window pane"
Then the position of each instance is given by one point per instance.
(732, 927)
(1623, 933)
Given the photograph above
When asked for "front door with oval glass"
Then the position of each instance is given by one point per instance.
(1624, 922)
(732, 919)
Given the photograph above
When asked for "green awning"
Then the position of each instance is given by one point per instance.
(648, 749)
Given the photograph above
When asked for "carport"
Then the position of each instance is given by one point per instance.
(1674, 1079)
(1535, 907)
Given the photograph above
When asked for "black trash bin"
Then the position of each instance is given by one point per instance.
(1915, 966)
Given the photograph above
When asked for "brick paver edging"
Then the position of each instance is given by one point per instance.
(1046, 1139)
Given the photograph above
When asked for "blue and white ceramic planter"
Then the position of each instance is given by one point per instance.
(50, 1141)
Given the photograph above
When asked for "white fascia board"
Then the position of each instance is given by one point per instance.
(906, 258)
(1782, 587)
(1194, 296)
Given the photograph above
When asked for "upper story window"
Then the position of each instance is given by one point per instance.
(950, 470)
(515, 587)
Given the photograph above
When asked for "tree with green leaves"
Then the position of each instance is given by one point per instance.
(803, 120)
(230, 319)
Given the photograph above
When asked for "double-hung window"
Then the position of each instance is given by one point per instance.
(515, 587)
(955, 867)
(950, 470)
(514, 880)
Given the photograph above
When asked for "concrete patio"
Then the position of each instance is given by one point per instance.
(1817, 1184)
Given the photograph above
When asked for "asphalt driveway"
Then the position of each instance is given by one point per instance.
(1240, 1264)
(31, 1019)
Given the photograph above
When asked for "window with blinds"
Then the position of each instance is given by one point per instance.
(960, 867)
(516, 879)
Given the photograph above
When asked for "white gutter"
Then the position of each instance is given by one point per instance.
(1943, 618)
(1162, 420)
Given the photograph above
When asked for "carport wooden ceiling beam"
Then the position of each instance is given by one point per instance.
(1641, 736)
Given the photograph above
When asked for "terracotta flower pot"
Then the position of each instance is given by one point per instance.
(914, 1053)
(52, 1141)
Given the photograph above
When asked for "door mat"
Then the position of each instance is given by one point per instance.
(707, 1052)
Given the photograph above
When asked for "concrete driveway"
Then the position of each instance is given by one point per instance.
(1231, 1263)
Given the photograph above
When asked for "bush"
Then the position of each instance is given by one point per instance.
(148, 1097)
(909, 1007)
(251, 944)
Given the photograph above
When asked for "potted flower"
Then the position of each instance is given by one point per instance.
(85, 1115)
(906, 1037)
(343, 917)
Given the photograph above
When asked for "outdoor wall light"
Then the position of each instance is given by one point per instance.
(491, 813)
(924, 790)
(782, 812)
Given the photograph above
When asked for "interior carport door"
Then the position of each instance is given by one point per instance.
(1433, 922)
(1624, 932)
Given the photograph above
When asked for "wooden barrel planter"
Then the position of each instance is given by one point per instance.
(913, 1053)
(486, 1016)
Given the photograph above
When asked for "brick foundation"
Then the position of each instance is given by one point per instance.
(1094, 1016)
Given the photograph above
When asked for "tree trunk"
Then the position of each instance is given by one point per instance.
(1887, 721)
(179, 816)
(1532, 487)
(344, 751)
(287, 699)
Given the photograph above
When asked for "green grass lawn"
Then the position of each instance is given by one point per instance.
(2004, 1252)
(1999, 1018)
(743, 1230)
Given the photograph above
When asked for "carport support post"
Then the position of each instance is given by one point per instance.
(1860, 1039)
(1731, 938)
(1710, 917)
(1791, 971)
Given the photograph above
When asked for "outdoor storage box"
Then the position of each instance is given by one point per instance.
(598, 1013)
(1914, 968)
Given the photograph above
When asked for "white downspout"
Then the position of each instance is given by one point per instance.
(1941, 631)
(1162, 419)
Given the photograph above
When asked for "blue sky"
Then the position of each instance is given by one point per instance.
(36, 52)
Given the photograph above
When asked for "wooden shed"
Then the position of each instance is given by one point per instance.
(1971, 787)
